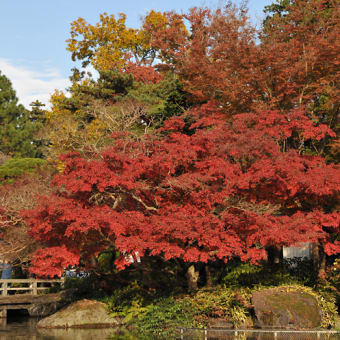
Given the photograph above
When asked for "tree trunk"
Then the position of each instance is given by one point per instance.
(209, 279)
(192, 278)
(322, 268)
(274, 255)
(316, 259)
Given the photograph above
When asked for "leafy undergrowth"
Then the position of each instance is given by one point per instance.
(150, 316)
(159, 312)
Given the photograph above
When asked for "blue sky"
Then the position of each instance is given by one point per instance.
(33, 33)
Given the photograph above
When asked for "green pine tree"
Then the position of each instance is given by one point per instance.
(18, 126)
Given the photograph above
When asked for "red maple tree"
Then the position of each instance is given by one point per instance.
(292, 61)
(217, 60)
(200, 189)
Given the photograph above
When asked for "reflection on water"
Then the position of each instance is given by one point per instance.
(25, 329)
(76, 334)
(250, 335)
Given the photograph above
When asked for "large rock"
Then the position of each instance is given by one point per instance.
(286, 307)
(44, 305)
(80, 314)
(43, 309)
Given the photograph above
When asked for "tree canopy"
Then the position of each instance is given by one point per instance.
(202, 140)
(200, 190)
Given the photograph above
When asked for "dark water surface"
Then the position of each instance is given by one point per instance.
(24, 328)
(256, 335)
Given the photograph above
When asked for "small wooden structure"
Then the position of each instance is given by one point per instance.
(302, 250)
(24, 292)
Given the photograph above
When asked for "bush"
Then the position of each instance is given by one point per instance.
(293, 271)
(152, 316)
(333, 283)
(127, 301)
(227, 303)
(85, 287)
(160, 318)
(148, 315)
(164, 317)
(17, 167)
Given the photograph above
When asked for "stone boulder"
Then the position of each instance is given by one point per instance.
(47, 304)
(286, 307)
(80, 314)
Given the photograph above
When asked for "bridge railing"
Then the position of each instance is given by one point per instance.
(32, 286)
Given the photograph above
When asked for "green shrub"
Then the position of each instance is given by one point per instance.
(163, 318)
(154, 317)
(85, 287)
(293, 271)
(105, 261)
(331, 286)
(227, 303)
(124, 298)
(16, 167)
(150, 316)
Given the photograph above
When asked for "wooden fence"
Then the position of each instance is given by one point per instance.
(31, 286)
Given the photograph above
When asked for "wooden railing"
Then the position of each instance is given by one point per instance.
(31, 286)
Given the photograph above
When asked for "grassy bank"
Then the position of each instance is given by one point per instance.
(151, 314)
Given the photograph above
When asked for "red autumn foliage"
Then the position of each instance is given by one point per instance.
(218, 60)
(200, 189)
(145, 74)
(292, 61)
(301, 55)
(226, 179)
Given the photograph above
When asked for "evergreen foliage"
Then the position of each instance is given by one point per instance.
(16, 167)
(116, 101)
(17, 125)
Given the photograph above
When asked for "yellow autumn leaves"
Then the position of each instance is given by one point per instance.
(110, 43)
(84, 119)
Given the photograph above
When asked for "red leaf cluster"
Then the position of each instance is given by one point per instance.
(145, 74)
(201, 189)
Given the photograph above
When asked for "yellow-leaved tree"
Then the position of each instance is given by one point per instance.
(130, 94)
(110, 44)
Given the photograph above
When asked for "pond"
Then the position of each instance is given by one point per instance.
(218, 334)
(24, 328)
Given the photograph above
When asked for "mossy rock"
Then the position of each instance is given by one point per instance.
(286, 307)
(81, 314)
